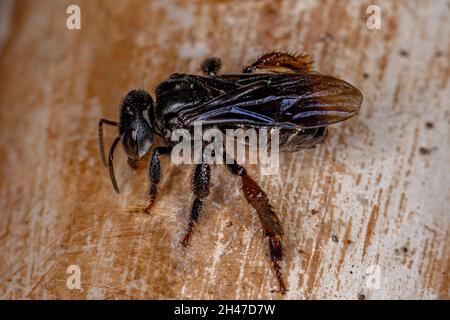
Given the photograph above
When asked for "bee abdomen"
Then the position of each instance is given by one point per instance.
(292, 140)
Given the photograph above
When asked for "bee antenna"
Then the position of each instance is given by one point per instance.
(100, 136)
(110, 164)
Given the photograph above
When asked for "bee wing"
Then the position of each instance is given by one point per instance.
(301, 100)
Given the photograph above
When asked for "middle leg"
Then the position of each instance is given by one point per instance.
(200, 187)
(211, 66)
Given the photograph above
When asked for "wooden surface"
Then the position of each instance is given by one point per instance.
(376, 194)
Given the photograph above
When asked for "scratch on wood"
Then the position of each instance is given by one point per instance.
(370, 228)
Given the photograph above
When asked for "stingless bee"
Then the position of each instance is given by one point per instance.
(279, 90)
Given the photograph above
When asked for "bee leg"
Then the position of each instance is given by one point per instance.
(269, 221)
(155, 175)
(211, 66)
(200, 187)
(280, 62)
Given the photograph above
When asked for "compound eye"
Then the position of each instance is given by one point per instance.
(130, 144)
(134, 135)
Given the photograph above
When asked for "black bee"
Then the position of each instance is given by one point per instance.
(278, 90)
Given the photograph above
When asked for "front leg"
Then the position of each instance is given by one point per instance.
(270, 223)
(155, 175)
(200, 187)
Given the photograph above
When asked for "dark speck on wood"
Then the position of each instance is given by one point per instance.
(425, 151)
(404, 53)
(429, 125)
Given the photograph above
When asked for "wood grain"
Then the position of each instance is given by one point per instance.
(376, 194)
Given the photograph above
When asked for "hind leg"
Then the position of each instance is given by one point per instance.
(280, 62)
(270, 223)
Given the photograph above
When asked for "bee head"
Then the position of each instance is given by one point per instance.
(134, 127)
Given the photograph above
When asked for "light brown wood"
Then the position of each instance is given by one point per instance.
(376, 194)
